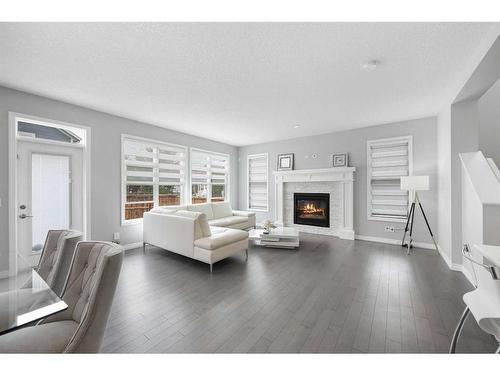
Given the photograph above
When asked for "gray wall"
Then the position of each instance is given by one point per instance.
(444, 228)
(105, 161)
(489, 123)
(354, 141)
(464, 138)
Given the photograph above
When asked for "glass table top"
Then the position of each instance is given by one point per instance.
(26, 298)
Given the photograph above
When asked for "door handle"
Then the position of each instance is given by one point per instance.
(24, 216)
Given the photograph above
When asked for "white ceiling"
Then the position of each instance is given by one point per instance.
(242, 83)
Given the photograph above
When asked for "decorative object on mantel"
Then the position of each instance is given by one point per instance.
(285, 162)
(340, 160)
(268, 225)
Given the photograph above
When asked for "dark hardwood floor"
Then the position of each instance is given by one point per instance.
(329, 296)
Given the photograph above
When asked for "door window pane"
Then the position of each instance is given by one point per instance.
(50, 195)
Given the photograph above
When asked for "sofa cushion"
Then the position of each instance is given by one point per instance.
(243, 213)
(201, 227)
(222, 209)
(206, 208)
(227, 221)
(221, 237)
(162, 210)
(216, 230)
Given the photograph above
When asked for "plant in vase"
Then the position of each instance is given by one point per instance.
(268, 225)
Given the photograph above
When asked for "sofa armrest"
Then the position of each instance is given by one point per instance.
(243, 213)
(174, 233)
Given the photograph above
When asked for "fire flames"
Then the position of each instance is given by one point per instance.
(311, 209)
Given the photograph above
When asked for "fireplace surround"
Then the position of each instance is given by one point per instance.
(338, 182)
(311, 209)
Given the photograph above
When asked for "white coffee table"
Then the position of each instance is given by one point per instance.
(282, 237)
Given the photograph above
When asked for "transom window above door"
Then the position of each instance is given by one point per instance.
(153, 174)
(42, 131)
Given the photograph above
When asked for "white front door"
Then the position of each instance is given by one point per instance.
(50, 194)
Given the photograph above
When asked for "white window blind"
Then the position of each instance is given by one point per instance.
(209, 176)
(388, 160)
(154, 174)
(257, 169)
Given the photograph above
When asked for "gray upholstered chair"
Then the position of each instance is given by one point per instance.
(89, 293)
(56, 257)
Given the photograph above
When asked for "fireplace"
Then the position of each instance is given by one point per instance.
(311, 209)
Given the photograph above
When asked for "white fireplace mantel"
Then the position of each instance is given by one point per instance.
(343, 175)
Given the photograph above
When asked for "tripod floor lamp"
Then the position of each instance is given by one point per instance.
(414, 184)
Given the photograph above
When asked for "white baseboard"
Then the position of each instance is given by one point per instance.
(468, 275)
(346, 234)
(391, 241)
(447, 259)
(131, 246)
(465, 271)
(456, 267)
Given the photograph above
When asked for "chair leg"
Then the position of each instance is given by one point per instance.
(144, 247)
(211, 267)
(498, 349)
(246, 254)
(458, 330)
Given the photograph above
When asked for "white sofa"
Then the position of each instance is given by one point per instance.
(218, 214)
(188, 233)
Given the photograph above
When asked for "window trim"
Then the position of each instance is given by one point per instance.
(369, 143)
(227, 197)
(153, 142)
(254, 156)
(50, 124)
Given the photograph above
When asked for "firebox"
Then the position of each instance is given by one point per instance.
(311, 209)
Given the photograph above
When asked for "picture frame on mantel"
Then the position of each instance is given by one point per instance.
(285, 162)
(340, 159)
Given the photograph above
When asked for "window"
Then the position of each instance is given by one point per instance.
(388, 160)
(257, 169)
(209, 176)
(153, 174)
(51, 133)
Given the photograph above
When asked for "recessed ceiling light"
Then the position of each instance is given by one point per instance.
(371, 65)
(296, 126)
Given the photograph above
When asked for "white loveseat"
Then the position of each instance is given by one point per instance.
(188, 233)
(218, 214)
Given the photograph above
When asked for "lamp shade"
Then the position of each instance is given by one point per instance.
(415, 183)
